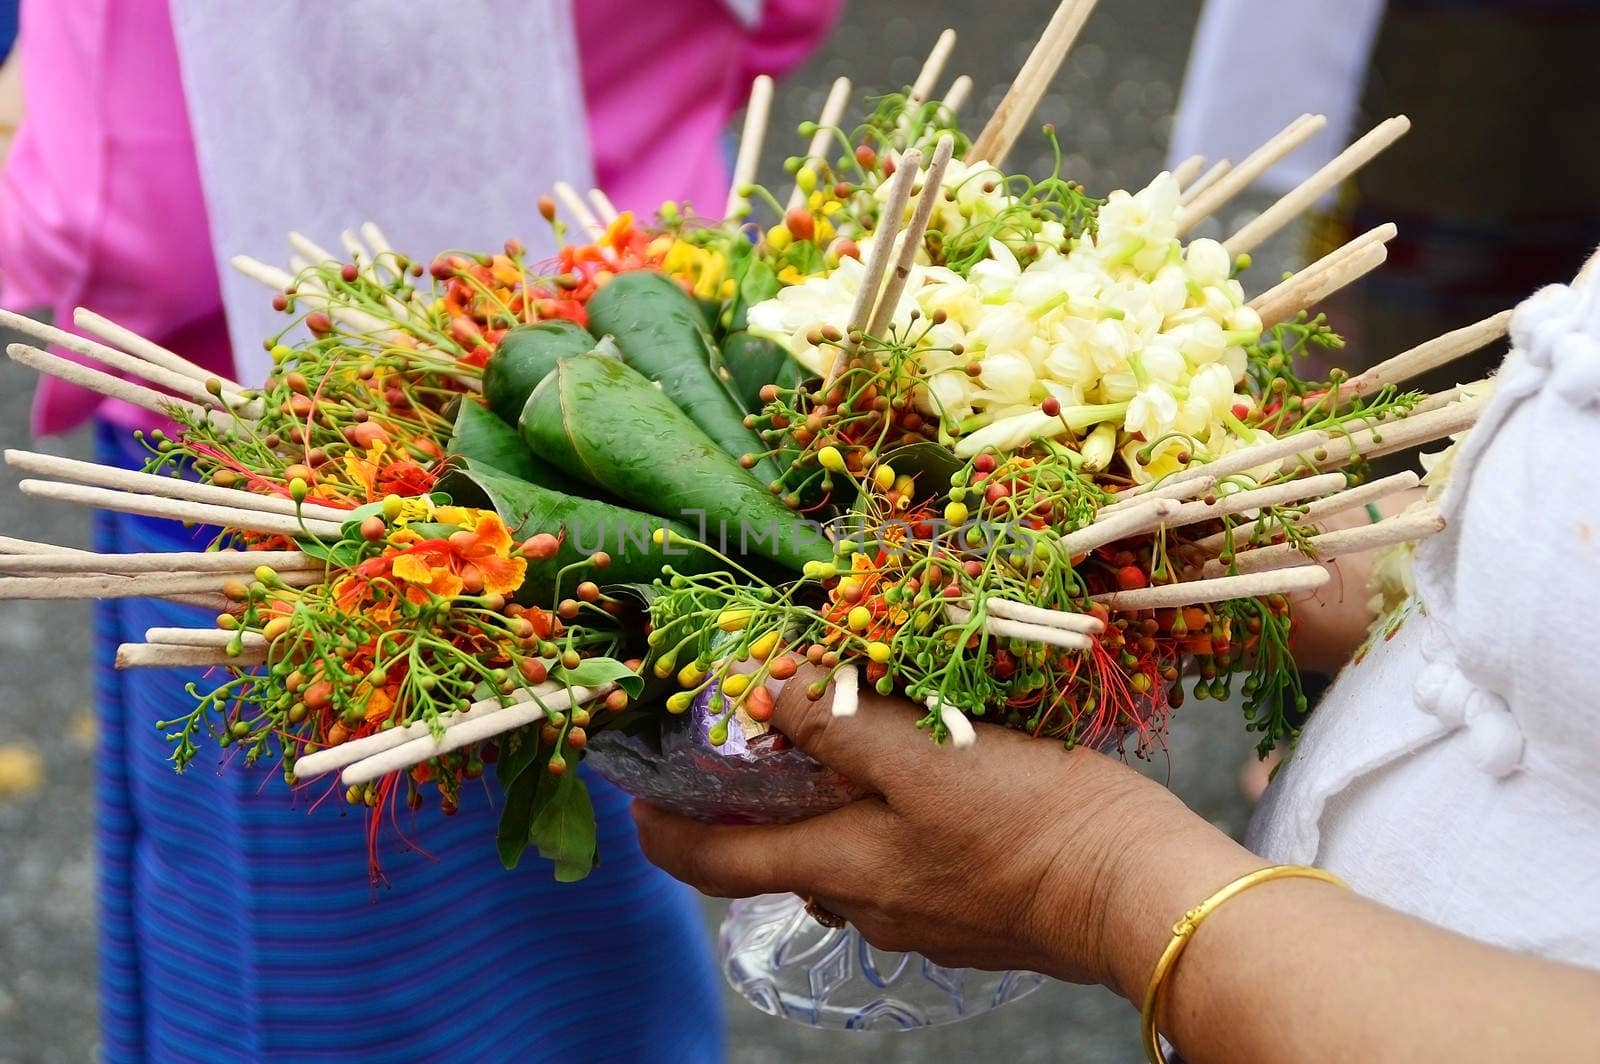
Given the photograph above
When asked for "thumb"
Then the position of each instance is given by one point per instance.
(874, 747)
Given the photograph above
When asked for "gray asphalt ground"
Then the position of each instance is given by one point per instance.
(1112, 105)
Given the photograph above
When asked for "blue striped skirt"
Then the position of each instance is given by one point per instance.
(237, 922)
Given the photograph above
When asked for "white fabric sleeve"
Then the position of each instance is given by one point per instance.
(1258, 64)
(443, 123)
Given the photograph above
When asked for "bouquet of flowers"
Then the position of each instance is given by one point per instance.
(982, 439)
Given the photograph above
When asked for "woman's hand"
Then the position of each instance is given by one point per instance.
(1013, 853)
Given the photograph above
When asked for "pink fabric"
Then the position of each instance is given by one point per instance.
(100, 200)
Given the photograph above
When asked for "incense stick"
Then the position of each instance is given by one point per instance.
(1437, 352)
(603, 206)
(114, 387)
(466, 730)
(224, 561)
(1084, 623)
(1338, 503)
(203, 637)
(757, 113)
(196, 513)
(927, 199)
(1236, 179)
(1387, 437)
(955, 97)
(1330, 545)
(1002, 628)
(152, 352)
(1204, 181)
(832, 111)
(103, 476)
(1221, 589)
(149, 585)
(883, 237)
(1270, 453)
(322, 762)
(1317, 282)
(1022, 98)
(928, 76)
(153, 656)
(1309, 191)
(1130, 522)
(1186, 171)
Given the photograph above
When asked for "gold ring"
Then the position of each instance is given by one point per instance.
(823, 915)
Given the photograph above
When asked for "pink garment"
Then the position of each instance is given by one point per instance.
(100, 199)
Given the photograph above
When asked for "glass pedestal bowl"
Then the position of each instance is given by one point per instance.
(770, 949)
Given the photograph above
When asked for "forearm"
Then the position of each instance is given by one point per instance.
(1296, 970)
(1332, 621)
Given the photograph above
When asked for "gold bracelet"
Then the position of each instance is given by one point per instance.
(1184, 930)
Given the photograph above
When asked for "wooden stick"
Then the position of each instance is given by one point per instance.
(1167, 489)
(220, 561)
(1129, 522)
(1032, 81)
(1002, 628)
(314, 253)
(134, 344)
(1387, 437)
(348, 753)
(1313, 188)
(1254, 499)
(1315, 283)
(181, 384)
(114, 387)
(757, 113)
(1271, 452)
(1330, 545)
(8, 545)
(1337, 503)
(1456, 394)
(575, 206)
(465, 731)
(911, 243)
(928, 76)
(196, 513)
(1222, 589)
(203, 637)
(1437, 352)
(1204, 181)
(603, 207)
(1084, 623)
(956, 96)
(157, 656)
(263, 274)
(1236, 179)
(890, 220)
(832, 111)
(1186, 171)
(102, 476)
(149, 585)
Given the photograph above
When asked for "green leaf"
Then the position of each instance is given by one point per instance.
(605, 422)
(931, 465)
(584, 526)
(516, 818)
(482, 441)
(518, 750)
(593, 672)
(563, 827)
(340, 554)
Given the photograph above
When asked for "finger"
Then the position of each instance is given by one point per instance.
(731, 861)
(878, 747)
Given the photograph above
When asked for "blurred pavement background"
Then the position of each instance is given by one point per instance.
(1112, 106)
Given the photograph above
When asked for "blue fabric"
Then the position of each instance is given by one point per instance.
(238, 923)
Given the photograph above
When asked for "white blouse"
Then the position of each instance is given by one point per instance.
(1454, 773)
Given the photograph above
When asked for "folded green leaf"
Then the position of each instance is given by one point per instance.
(604, 422)
(662, 334)
(594, 672)
(584, 525)
(525, 356)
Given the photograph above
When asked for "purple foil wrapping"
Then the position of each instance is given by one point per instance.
(756, 776)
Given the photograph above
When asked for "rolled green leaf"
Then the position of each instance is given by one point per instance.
(753, 362)
(526, 355)
(662, 334)
(482, 441)
(584, 525)
(604, 422)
